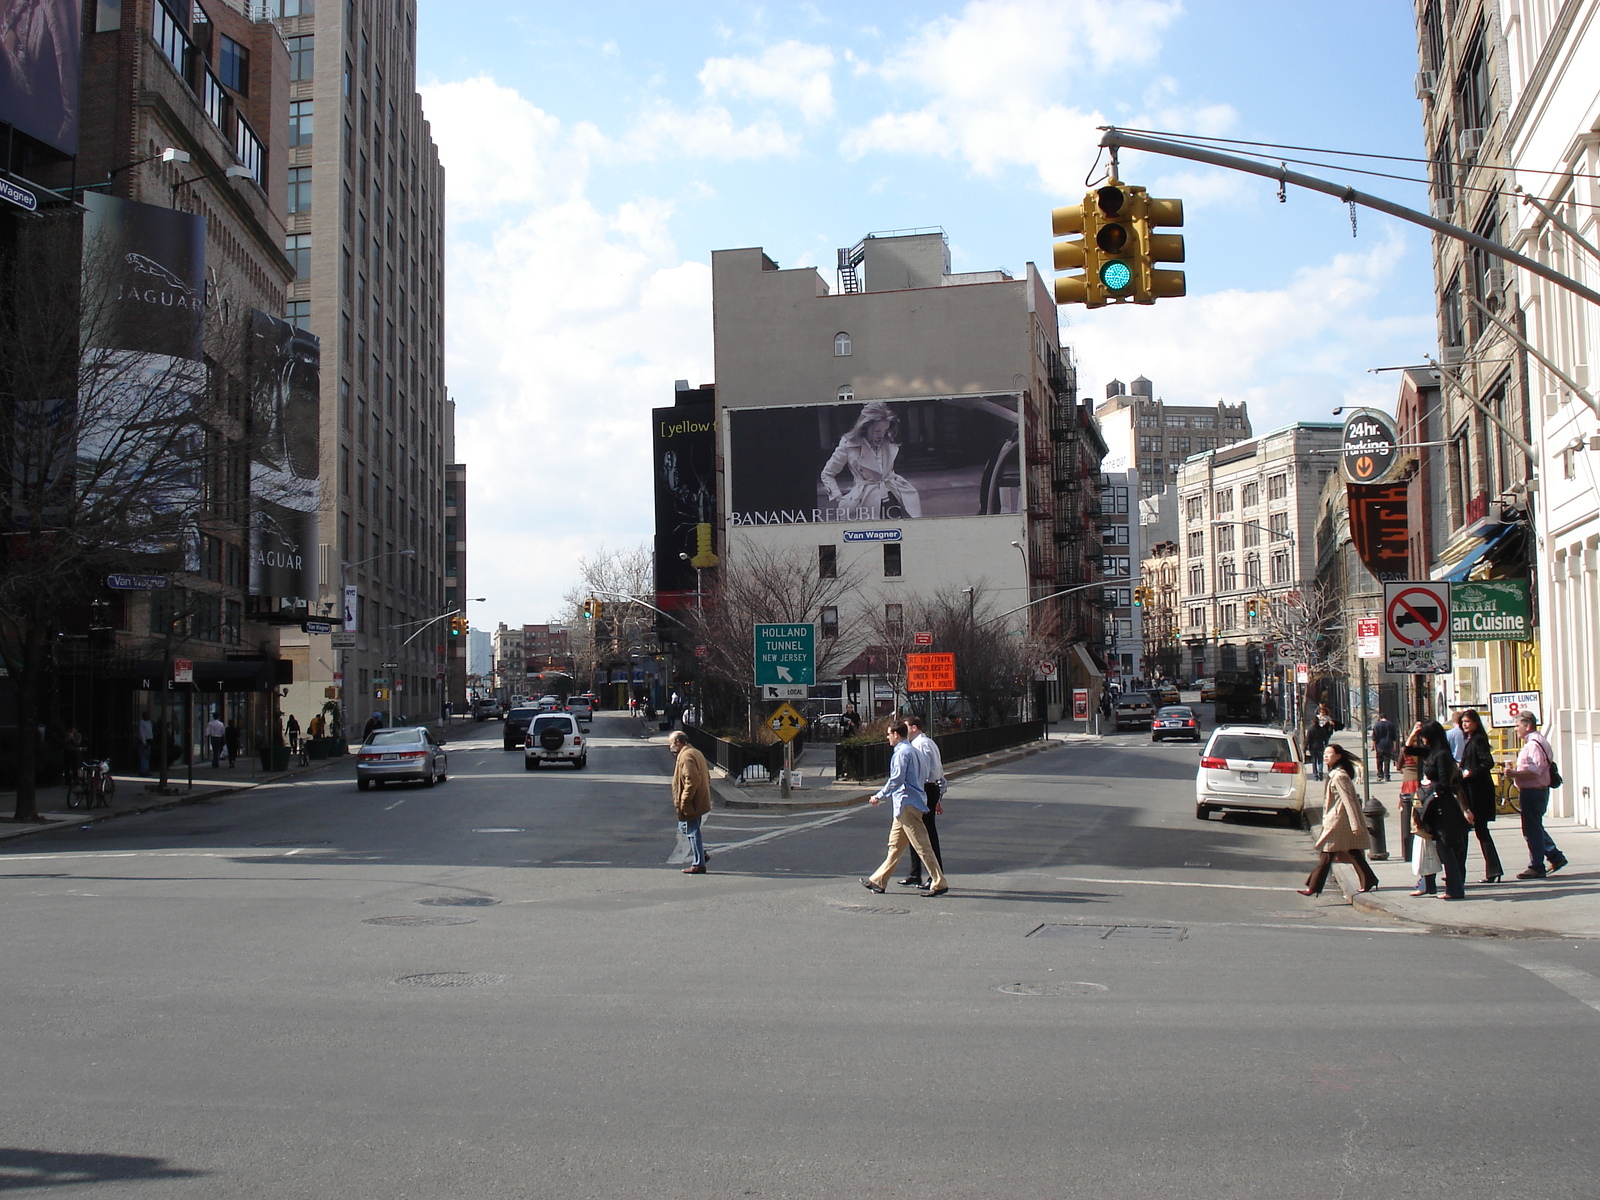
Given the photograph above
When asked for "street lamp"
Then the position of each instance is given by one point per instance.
(697, 591)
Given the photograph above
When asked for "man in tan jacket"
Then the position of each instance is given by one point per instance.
(691, 796)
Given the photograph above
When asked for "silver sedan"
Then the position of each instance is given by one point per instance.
(395, 755)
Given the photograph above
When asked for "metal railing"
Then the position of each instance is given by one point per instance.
(870, 760)
(734, 757)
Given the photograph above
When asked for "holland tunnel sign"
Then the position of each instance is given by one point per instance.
(786, 654)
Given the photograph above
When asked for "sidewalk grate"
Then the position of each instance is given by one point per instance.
(409, 922)
(876, 910)
(459, 901)
(1151, 933)
(1064, 988)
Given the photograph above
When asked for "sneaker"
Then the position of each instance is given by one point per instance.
(1557, 861)
(1531, 873)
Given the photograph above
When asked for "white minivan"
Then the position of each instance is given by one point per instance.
(1250, 768)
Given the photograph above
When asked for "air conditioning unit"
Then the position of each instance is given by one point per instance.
(1425, 81)
(1454, 354)
(1439, 208)
(1469, 142)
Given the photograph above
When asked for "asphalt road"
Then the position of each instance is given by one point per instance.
(237, 999)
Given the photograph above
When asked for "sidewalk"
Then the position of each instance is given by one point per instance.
(1566, 904)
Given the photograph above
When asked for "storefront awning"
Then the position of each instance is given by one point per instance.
(1462, 570)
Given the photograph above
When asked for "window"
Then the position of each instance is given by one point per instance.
(1194, 507)
(894, 622)
(300, 121)
(1114, 535)
(827, 562)
(1277, 487)
(299, 189)
(1279, 524)
(1280, 568)
(1252, 571)
(1117, 501)
(1452, 328)
(1116, 568)
(1228, 615)
(1232, 423)
(1460, 478)
(174, 42)
(841, 345)
(1487, 271)
(293, 8)
(830, 621)
(1250, 495)
(1222, 501)
(107, 15)
(300, 59)
(1252, 534)
(846, 394)
(298, 314)
(298, 247)
(1227, 576)
(1205, 422)
(349, 73)
(891, 561)
(1174, 422)
(1224, 536)
(232, 621)
(206, 620)
(1474, 97)
(233, 64)
(1197, 580)
(1444, 174)
(1197, 618)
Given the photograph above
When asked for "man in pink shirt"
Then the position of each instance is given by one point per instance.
(1532, 777)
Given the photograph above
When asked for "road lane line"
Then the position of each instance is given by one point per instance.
(1231, 887)
(1580, 985)
(396, 804)
(680, 853)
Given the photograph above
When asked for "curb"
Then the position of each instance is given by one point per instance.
(999, 758)
(162, 805)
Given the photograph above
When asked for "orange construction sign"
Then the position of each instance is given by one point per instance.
(930, 672)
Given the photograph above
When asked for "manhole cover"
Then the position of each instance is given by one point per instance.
(1077, 988)
(291, 843)
(505, 830)
(459, 901)
(877, 910)
(410, 921)
(451, 979)
(1197, 864)
(1162, 933)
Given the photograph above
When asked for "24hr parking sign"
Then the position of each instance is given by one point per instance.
(1416, 627)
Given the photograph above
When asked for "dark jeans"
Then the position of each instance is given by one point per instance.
(930, 823)
(1385, 761)
(1534, 802)
(1453, 854)
(1358, 859)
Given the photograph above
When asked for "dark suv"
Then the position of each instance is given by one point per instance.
(516, 727)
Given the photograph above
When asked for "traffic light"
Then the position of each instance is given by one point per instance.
(588, 610)
(1155, 283)
(1138, 597)
(458, 626)
(1258, 605)
(1117, 249)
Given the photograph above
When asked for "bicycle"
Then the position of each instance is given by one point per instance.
(93, 786)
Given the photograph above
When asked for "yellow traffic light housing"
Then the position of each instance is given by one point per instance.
(1117, 250)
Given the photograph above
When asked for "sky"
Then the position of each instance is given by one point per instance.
(597, 154)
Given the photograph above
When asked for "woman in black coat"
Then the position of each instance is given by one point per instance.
(1442, 815)
(1477, 773)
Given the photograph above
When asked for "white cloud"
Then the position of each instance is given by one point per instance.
(791, 73)
(709, 132)
(567, 323)
(994, 77)
(1292, 353)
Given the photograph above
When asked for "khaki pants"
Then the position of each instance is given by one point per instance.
(908, 828)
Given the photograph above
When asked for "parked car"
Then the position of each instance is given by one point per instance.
(396, 755)
(554, 737)
(517, 722)
(580, 708)
(1134, 709)
(1250, 768)
(1175, 721)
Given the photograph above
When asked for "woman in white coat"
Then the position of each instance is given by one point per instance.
(868, 453)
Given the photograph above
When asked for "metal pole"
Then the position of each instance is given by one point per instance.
(1366, 724)
(788, 766)
(1114, 138)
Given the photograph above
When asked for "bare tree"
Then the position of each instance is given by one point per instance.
(623, 583)
(759, 585)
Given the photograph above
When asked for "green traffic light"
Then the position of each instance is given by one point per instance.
(1116, 275)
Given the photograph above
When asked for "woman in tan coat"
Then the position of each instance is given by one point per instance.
(1344, 830)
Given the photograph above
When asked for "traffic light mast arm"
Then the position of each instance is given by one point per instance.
(1082, 587)
(1113, 138)
(644, 603)
(429, 622)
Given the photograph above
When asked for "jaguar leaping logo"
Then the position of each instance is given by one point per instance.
(149, 266)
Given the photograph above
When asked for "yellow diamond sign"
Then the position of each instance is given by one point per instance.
(786, 722)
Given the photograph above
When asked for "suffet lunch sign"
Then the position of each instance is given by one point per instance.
(1491, 610)
(1370, 451)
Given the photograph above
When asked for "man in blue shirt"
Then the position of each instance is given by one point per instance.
(908, 769)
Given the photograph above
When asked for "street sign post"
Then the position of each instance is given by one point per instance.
(786, 721)
(922, 638)
(786, 654)
(1045, 671)
(1416, 627)
(316, 627)
(344, 641)
(182, 670)
(138, 583)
